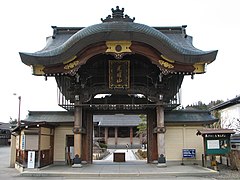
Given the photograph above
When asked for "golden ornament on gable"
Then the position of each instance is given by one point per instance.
(38, 69)
(166, 64)
(118, 46)
(71, 65)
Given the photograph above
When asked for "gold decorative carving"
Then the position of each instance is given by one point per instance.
(165, 64)
(38, 69)
(167, 59)
(118, 47)
(199, 68)
(71, 65)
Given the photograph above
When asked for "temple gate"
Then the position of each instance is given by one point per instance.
(138, 68)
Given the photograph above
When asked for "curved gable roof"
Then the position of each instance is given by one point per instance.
(176, 46)
(171, 42)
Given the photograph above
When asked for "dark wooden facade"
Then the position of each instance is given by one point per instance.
(152, 60)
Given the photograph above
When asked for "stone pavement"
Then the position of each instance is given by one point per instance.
(115, 171)
(129, 169)
(132, 169)
(129, 154)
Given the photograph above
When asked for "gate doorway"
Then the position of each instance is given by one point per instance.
(117, 132)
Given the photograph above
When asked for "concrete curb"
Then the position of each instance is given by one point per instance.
(113, 175)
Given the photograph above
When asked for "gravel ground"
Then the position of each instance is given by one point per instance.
(225, 172)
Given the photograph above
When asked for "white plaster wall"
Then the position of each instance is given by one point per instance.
(182, 137)
(60, 143)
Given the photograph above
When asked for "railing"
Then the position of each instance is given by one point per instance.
(68, 105)
(63, 102)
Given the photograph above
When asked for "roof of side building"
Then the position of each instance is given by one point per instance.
(170, 117)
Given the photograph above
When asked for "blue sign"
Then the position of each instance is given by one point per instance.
(189, 153)
(23, 142)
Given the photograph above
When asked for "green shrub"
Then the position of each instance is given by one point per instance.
(141, 153)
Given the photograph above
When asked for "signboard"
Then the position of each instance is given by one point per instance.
(23, 142)
(31, 159)
(71, 152)
(119, 74)
(189, 153)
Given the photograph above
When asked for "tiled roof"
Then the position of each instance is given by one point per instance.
(189, 116)
(215, 131)
(117, 120)
(64, 116)
(5, 126)
(66, 42)
(227, 104)
(171, 117)
(49, 116)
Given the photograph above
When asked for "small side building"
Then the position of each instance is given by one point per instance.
(5, 134)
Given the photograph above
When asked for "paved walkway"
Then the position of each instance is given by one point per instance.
(130, 169)
(129, 154)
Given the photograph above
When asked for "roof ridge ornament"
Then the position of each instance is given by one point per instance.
(118, 15)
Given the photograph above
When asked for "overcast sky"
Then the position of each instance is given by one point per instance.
(25, 24)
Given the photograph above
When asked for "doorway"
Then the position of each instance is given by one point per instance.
(69, 149)
(119, 133)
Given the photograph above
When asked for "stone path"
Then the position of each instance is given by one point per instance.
(129, 154)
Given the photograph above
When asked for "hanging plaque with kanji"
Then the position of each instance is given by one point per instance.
(119, 74)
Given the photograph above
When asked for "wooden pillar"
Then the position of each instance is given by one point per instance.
(205, 150)
(90, 137)
(77, 130)
(160, 130)
(131, 136)
(152, 150)
(116, 136)
(106, 135)
(13, 151)
(87, 136)
(39, 146)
